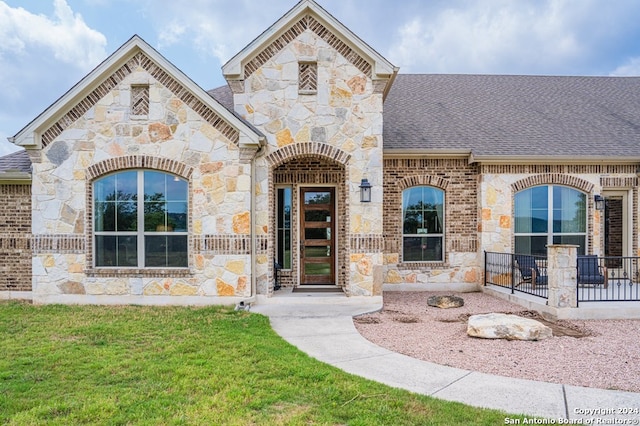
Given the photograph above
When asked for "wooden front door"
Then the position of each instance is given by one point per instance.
(317, 236)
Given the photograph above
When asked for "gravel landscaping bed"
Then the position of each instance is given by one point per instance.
(593, 353)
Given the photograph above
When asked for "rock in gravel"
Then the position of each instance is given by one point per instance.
(505, 326)
(445, 302)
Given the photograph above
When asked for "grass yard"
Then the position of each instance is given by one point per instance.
(174, 365)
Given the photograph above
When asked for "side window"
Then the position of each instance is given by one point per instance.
(140, 220)
(547, 215)
(283, 242)
(423, 224)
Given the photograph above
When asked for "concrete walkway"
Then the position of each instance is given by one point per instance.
(321, 325)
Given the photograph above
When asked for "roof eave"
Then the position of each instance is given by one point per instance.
(392, 79)
(551, 159)
(15, 177)
(423, 153)
(29, 136)
(507, 159)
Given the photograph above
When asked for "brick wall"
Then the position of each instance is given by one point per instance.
(457, 178)
(15, 237)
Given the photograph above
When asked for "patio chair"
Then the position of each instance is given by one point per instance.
(529, 270)
(590, 272)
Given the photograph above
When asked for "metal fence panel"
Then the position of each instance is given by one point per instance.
(520, 273)
(620, 282)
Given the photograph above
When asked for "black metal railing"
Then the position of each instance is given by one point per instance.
(598, 279)
(517, 272)
(609, 279)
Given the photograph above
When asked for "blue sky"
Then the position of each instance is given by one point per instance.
(49, 45)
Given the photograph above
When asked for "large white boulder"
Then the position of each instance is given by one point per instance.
(505, 326)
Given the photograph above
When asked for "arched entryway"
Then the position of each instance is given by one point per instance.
(309, 222)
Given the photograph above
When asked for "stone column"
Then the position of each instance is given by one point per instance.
(562, 275)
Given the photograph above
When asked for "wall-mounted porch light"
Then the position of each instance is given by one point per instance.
(599, 200)
(365, 191)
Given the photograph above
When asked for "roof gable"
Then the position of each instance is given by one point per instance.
(130, 56)
(308, 15)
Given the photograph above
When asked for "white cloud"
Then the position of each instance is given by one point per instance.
(65, 35)
(217, 28)
(502, 36)
(6, 148)
(41, 57)
(628, 69)
(483, 37)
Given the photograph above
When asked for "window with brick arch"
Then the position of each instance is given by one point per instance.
(140, 220)
(549, 214)
(423, 224)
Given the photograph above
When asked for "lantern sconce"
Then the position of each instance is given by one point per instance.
(365, 191)
(599, 200)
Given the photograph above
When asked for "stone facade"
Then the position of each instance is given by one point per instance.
(330, 136)
(311, 97)
(15, 237)
(181, 136)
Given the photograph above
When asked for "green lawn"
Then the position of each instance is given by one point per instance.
(174, 365)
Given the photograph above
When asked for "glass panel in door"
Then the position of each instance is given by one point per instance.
(317, 244)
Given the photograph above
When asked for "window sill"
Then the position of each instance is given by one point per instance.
(140, 273)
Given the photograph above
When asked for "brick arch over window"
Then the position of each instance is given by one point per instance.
(549, 179)
(422, 180)
(308, 149)
(138, 162)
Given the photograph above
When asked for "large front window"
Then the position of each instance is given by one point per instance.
(423, 224)
(140, 220)
(546, 215)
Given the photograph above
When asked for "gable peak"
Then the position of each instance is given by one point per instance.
(307, 15)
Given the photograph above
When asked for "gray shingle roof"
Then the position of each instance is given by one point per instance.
(510, 116)
(498, 115)
(224, 95)
(17, 161)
